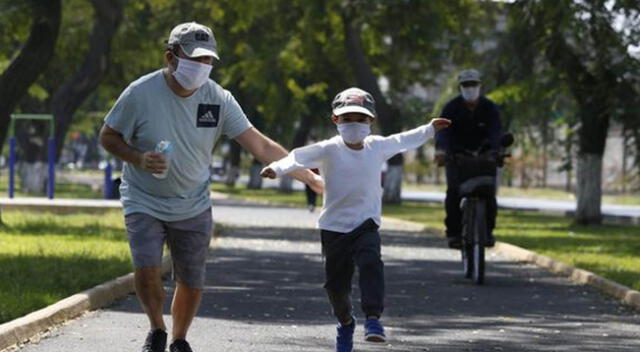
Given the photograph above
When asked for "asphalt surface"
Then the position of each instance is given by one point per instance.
(264, 293)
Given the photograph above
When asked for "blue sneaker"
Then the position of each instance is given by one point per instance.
(344, 337)
(373, 331)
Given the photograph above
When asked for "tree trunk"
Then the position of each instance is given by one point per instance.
(388, 117)
(31, 138)
(233, 169)
(594, 108)
(625, 152)
(589, 189)
(545, 149)
(32, 60)
(421, 160)
(286, 184)
(300, 138)
(568, 147)
(255, 180)
(392, 184)
(33, 177)
(71, 94)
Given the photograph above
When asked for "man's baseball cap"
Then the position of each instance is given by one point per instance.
(354, 100)
(194, 39)
(470, 75)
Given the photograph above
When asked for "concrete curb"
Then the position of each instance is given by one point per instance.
(622, 293)
(22, 329)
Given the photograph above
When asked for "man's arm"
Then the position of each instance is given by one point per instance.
(113, 142)
(267, 151)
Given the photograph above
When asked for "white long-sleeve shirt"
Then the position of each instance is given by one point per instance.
(353, 188)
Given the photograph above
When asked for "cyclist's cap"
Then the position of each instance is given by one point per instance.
(470, 75)
(194, 39)
(354, 100)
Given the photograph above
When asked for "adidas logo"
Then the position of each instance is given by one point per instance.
(208, 116)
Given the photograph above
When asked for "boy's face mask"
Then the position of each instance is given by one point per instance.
(354, 132)
(191, 74)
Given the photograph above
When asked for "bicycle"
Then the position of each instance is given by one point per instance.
(478, 176)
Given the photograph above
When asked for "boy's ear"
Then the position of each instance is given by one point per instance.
(334, 118)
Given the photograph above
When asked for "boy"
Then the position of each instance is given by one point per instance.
(351, 164)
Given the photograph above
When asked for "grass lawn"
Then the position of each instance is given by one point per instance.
(539, 193)
(612, 251)
(46, 257)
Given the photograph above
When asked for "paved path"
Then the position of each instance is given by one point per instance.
(263, 293)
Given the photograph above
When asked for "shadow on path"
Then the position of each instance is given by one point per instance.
(269, 282)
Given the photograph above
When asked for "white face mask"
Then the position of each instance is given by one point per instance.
(354, 132)
(191, 74)
(470, 93)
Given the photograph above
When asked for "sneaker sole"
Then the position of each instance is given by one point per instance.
(375, 338)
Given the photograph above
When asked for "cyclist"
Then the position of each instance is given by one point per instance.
(475, 120)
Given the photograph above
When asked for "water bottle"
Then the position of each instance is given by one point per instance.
(166, 148)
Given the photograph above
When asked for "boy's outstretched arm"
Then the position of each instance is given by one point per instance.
(401, 142)
(266, 150)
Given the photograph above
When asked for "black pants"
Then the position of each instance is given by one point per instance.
(311, 195)
(345, 251)
(453, 220)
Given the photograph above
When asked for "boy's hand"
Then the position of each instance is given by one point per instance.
(268, 172)
(440, 158)
(440, 123)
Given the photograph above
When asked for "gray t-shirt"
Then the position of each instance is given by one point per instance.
(147, 112)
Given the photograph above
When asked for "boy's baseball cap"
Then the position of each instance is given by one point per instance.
(195, 40)
(354, 100)
(470, 75)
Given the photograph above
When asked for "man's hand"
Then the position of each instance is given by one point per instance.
(440, 158)
(440, 123)
(268, 172)
(154, 162)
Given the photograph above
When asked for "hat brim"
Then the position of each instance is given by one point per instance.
(194, 51)
(353, 108)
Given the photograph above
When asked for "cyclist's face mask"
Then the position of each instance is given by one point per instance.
(190, 74)
(470, 91)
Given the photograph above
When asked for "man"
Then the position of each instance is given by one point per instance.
(475, 120)
(181, 105)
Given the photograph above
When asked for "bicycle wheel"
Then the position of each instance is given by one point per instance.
(467, 260)
(467, 238)
(479, 241)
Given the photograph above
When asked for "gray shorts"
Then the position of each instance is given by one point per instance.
(188, 241)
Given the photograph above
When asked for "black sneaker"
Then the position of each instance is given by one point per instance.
(454, 242)
(156, 341)
(180, 346)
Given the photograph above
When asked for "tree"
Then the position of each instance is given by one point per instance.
(71, 94)
(32, 59)
(579, 42)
